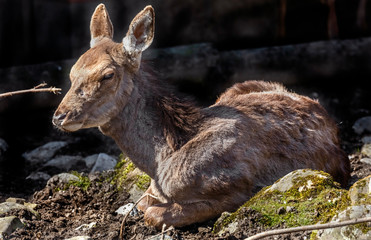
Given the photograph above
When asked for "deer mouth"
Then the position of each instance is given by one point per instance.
(63, 123)
(71, 127)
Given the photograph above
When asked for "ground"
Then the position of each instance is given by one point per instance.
(64, 209)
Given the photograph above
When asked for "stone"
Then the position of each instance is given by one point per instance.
(6, 207)
(360, 192)
(359, 231)
(160, 237)
(366, 160)
(302, 197)
(66, 162)
(287, 182)
(8, 225)
(366, 150)
(221, 228)
(61, 178)
(103, 162)
(123, 210)
(85, 227)
(290, 209)
(366, 139)
(36, 176)
(79, 238)
(44, 153)
(90, 160)
(362, 125)
(16, 200)
(131, 179)
(135, 193)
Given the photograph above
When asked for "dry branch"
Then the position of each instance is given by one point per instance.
(38, 88)
(131, 209)
(309, 228)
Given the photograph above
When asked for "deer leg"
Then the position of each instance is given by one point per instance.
(178, 215)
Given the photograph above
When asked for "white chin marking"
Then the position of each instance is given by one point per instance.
(72, 127)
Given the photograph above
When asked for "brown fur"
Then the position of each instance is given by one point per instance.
(202, 161)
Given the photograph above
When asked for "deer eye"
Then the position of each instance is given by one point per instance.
(108, 76)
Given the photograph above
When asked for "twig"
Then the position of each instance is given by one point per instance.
(131, 209)
(163, 230)
(38, 88)
(309, 227)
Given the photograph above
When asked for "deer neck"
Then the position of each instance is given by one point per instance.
(152, 125)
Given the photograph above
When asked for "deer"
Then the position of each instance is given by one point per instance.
(202, 161)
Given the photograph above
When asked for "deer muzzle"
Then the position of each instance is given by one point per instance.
(60, 120)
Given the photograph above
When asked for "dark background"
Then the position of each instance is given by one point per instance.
(36, 31)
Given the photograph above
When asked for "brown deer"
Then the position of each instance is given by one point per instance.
(202, 161)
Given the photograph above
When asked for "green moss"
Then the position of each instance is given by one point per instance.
(143, 181)
(312, 199)
(83, 182)
(313, 235)
(121, 162)
(359, 192)
(126, 174)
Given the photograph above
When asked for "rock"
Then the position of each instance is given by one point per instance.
(366, 149)
(366, 139)
(123, 210)
(129, 175)
(220, 227)
(360, 192)
(359, 231)
(79, 238)
(6, 207)
(3, 146)
(90, 160)
(16, 200)
(66, 162)
(135, 193)
(287, 182)
(362, 125)
(160, 237)
(311, 195)
(36, 176)
(290, 209)
(8, 225)
(103, 162)
(61, 178)
(85, 227)
(44, 153)
(366, 160)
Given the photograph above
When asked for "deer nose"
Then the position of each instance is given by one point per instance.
(57, 119)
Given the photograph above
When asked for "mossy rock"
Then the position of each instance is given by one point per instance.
(360, 192)
(357, 231)
(129, 178)
(302, 197)
(7, 207)
(82, 181)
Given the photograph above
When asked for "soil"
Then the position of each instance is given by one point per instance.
(62, 212)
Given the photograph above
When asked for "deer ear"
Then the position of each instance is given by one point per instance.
(141, 31)
(100, 25)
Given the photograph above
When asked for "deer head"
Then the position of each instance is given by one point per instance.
(101, 79)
